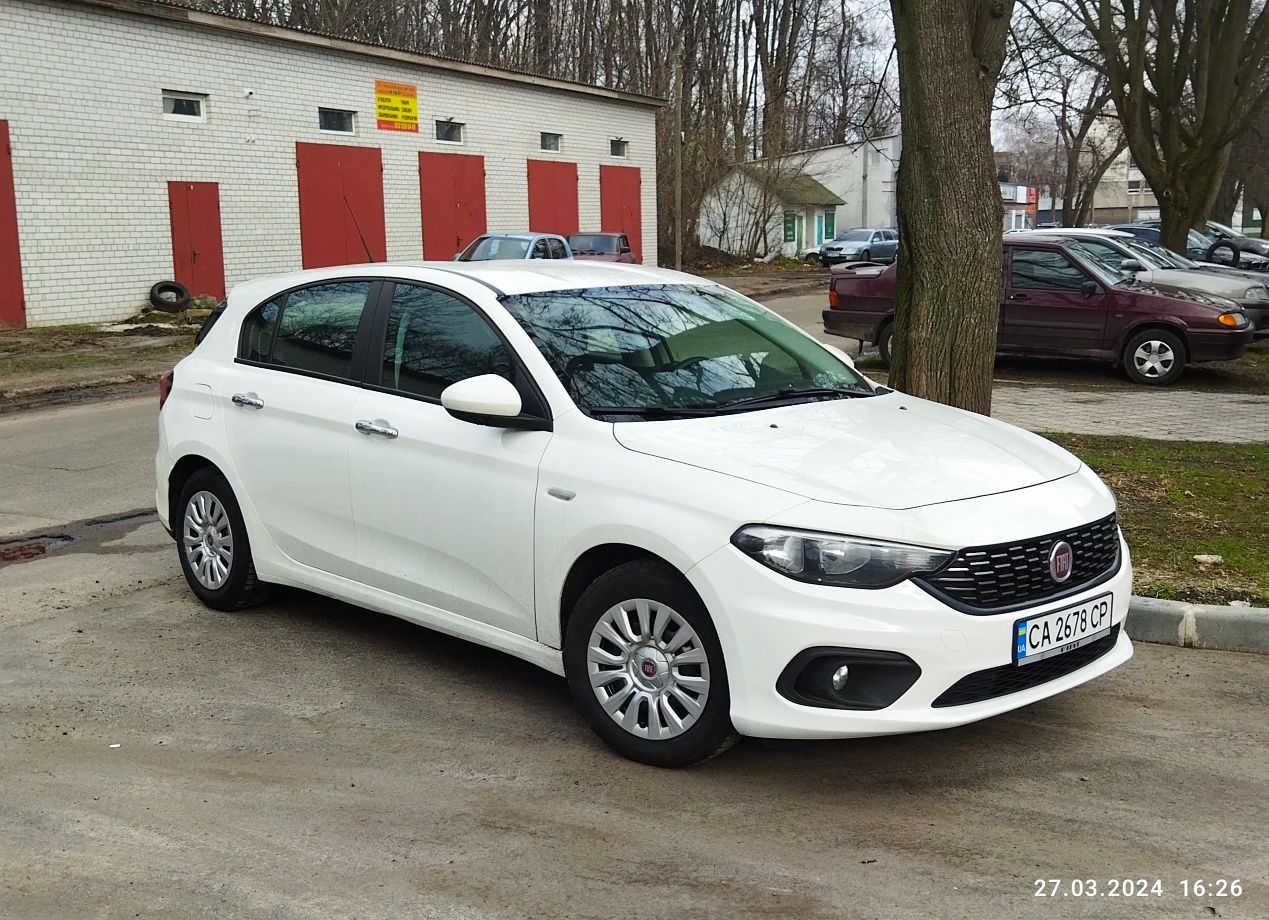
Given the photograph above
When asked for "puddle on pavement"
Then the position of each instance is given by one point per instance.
(88, 535)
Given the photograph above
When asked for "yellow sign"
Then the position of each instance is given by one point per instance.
(396, 106)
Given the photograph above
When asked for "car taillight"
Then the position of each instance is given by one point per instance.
(832, 298)
(165, 387)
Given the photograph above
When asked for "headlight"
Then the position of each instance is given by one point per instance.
(1257, 293)
(831, 559)
(1233, 320)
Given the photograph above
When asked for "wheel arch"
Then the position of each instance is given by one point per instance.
(180, 473)
(597, 560)
(1146, 325)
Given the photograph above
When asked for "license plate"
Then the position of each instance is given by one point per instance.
(1049, 634)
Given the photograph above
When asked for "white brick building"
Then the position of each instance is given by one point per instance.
(126, 124)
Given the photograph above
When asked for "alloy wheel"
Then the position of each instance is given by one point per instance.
(648, 669)
(208, 540)
(1153, 358)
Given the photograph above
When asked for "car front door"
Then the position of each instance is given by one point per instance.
(444, 507)
(287, 403)
(1052, 304)
(890, 242)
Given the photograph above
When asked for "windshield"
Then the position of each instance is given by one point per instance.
(1157, 256)
(1222, 229)
(1101, 254)
(1198, 240)
(495, 247)
(589, 243)
(675, 347)
(854, 236)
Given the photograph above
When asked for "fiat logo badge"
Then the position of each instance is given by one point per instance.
(1061, 561)
(649, 667)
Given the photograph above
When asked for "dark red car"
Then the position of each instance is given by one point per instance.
(601, 247)
(1057, 303)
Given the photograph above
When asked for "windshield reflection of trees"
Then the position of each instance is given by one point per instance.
(669, 346)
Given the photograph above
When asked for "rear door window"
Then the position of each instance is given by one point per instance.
(557, 249)
(312, 329)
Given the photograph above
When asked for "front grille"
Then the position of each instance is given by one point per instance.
(1011, 678)
(1010, 576)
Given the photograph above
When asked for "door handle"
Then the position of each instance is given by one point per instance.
(247, 400)
(365, 426)
(1019, 297)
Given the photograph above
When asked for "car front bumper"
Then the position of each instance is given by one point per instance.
(766, 620)
(1223, 345)
(1259, 318)
(835, 258)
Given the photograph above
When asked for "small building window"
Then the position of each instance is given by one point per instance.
(337, 120)
(618, 148)
(184, 106)
(1134, 186)
(449, 131)
(551, 141)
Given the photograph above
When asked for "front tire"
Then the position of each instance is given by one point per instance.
(646, 669)
(211, 540)
(1154, 357)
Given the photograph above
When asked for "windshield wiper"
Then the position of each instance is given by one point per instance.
(789, 393)
(651, 412)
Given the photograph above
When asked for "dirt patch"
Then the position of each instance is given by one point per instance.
(63, 363)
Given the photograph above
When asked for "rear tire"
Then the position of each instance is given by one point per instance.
(646, 669)
(1154, 357)
(211, 540)
(884, 338)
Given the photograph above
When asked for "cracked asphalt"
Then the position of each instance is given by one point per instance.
(306, 759)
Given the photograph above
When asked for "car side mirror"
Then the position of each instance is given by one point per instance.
(1088, 289)
(626, 250)
(484, 400)
(1131, 265)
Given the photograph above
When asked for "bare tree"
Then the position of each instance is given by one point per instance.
(1185, 78)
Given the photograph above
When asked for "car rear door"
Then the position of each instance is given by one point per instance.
(444, 507)
(1052, 305)
(287, 404)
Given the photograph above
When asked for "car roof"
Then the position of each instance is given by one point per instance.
(1072, 231)
(519, 235)
(510, 276)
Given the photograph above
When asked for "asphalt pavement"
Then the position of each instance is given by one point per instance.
(306, 759)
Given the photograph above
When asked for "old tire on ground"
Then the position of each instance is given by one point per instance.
(169, 296)
(211, 540)
(884, 338)
(1235, 254)
(1155, 357)
(646, 669)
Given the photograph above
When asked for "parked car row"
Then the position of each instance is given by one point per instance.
(1088, 293)
(597, 247)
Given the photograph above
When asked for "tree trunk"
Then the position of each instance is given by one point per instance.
(950, 221)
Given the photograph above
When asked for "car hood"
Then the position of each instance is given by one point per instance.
(891, 451)
(1207, 282)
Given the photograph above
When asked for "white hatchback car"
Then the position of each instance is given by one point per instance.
(708, 521)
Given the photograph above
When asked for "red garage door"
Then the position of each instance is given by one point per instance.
(341, 204)
(552, 197)
(197, 259)
(452, 195)
(12, 303)
(620, 204)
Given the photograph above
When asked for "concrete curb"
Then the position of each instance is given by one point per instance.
(1238, 629)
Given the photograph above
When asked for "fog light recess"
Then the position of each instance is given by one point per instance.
(847, 678)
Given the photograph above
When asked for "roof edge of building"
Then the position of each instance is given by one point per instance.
(174, 12)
